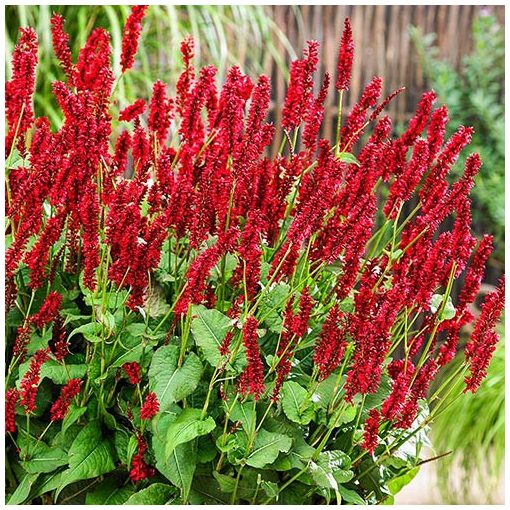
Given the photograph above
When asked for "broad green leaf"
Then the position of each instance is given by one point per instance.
(179, 468)
(271, 305)
(294, 403)
(129, 355)
(186, 427)
(209, 328)
(172, 384)
(155, 494)
(226, 483)
(397, 484)
(324, 392)
(89, 456)
(22, 491)
(44, 459)
(266, 448)
(322, 475)
(156, 304)
(351, 496)
(297, 458)
(72, 416)
(109, 492)
(58, 373)
(449, 310)
(245, 413)
(91, 331)
(347, 157)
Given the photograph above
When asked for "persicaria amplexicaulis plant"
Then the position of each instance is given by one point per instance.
(192, 321)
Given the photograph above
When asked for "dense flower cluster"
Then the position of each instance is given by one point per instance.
(181, 209)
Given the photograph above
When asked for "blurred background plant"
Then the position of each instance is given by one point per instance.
(474, 95)
(473, 429)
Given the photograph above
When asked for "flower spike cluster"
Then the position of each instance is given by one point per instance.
(138, 217)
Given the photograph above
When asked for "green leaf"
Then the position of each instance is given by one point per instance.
(109, 492)
(89, 456)
(298, 456)
(449, 310)
(186, 427)
(294, 403)
(44, 459)
(227, 483)
(72, 416)
(172, 384)
(397, 484)
(180, 467)
(245, 413)
(272, 304)
(351, 496)
(322, 475)
(347, 157)
(58, 373)
(266, 448)
(23, 489)
(90, 331)
(155, 494)
(209, 328)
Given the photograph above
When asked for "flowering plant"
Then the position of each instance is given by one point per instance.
(191, 321)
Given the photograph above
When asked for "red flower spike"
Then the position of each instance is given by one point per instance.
(150, 407)
(331, 344)
(20, 88)
(11, 399)
(160, 112)
(61, 406)
(131, 35)
(133, 372)
(30, 382)
(49, 310)
(61, 48)
(140, 470)
(132, 111)
(252, 379)
(371, 433)
(345, 58)
(300, 92)
(481, 345)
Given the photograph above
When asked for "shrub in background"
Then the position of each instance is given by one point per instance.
(192, 322)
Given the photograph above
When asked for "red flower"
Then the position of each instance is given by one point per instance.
(481, 345)
(331, 344)
(132, 111)
(132, 31)
(300, 92)
(133, 372)
(61, 406)
(252, 379)
(59, 339)
(160, 112)
(61, 46)
(150, 407)
(30, 382)
(371, 433)
(11, 398)
(345, 58)
(140, 470)
(20, 89)
(49, 310)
